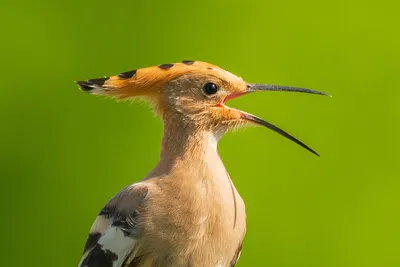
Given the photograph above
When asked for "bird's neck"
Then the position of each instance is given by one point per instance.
(191, 169)
(187, 148)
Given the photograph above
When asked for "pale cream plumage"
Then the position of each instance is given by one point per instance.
(186, 212)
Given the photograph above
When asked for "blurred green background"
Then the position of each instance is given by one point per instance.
(65, 153)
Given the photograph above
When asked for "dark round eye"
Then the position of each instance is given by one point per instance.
(210, 88)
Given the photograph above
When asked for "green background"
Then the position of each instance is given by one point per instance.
(64, 153)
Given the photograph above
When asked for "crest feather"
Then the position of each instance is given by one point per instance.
(144, 82)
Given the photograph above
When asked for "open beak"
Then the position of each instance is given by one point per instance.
(266, 87)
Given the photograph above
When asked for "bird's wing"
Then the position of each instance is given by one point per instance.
(113, 238)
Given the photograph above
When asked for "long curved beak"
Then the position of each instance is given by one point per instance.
(269, 87)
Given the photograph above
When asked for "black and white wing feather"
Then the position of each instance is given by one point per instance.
(114, 238)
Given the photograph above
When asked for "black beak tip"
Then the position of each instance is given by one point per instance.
(316, 154)
(325, 94)
(305, 146)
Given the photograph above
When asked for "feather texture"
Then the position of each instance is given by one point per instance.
(114, 235)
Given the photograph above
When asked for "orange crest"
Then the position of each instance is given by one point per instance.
(148, 81)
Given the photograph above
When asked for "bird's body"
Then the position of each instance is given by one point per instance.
(186, 212)
(200, 213)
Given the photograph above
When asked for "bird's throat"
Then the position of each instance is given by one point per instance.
(187, 149)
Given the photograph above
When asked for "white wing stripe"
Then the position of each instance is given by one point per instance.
(116, 241)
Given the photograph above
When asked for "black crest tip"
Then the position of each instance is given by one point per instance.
(188, 62)
(166, 66)
(85, 86)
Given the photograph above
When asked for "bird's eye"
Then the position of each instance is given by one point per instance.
(210, 88)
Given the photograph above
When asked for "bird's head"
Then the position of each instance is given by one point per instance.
(190, 93)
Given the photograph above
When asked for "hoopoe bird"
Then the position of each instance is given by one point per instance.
(186, 212)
